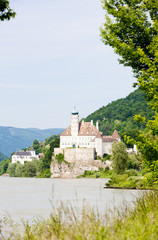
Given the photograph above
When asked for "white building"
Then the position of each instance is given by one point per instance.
(86, 135)
(24, 156)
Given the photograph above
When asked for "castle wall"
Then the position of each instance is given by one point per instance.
(84, 155)
(107, 147)
(57, 151)
(99, 146)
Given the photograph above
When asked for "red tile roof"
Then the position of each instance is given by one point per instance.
(115, 135)
(67, 132)
(108, 139)
(85, 129)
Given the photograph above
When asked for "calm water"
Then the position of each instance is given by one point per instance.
(24, 198)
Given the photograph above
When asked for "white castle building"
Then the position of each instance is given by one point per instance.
(86, 135)
(22, 156)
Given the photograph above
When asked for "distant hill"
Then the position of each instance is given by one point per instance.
(2, 157)
(119, 114)
(14, 139)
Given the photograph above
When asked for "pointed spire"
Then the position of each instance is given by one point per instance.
(74, 112)
(115, 135)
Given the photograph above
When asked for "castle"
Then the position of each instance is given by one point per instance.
(86, 138)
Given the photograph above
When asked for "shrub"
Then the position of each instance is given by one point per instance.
(60, 158)
(45, 174)
(131, 172)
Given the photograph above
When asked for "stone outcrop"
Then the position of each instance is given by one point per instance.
(72, 170)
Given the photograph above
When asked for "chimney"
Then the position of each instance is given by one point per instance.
(97, 126)
(82, 122)
(91, 122)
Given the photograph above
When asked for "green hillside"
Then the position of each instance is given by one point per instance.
(2, 157)
(119, 114)
(14, 139)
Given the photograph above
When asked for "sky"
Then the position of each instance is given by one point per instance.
(52, 59)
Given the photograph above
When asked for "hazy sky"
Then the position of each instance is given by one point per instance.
(52, 58)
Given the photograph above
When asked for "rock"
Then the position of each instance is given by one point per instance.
(72, 170)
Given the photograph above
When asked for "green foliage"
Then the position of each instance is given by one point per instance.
(49, 152)
(105, 157)
(29, 169)
(2, 157)
(48, 140)
(45, 174)
(131, 172)
(102, 173)
(5, 11)
(36, 146)
(119, 157)
(120, 114)
(3, 166)
(128, 180)
(134, 162)
(11, 169)
(60, 158)
(19, 170)
(131, 29)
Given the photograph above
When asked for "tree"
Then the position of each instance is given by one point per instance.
(48, 155)
(36, 146)
(4, 166)
(131, 28)
(119, 157)
(19, 170)
(5, 11)
(11, 169)
(29, 169)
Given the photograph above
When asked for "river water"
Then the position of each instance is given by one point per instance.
(25, 198)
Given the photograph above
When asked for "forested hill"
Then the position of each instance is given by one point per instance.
(14, 139)
(119, 114)
(2, 157)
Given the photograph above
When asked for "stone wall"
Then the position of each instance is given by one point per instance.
(84, 155)
(57, 151)
(107, 147)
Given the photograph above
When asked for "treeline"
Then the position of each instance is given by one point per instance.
(36, 168)
(120, 114)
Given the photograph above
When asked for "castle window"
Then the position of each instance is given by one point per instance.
(67, 133)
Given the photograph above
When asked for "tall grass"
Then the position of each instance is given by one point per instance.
(138, 223)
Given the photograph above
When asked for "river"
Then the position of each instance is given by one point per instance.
(25, 198)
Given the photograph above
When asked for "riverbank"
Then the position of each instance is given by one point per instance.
(139, 222)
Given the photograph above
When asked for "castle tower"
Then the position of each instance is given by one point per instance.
(74, 122)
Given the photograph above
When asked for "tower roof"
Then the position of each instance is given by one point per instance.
(115, 134)
(74, 112)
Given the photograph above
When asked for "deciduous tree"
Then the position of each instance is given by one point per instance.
(119, 157)
(5, 11)
(131, 29)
